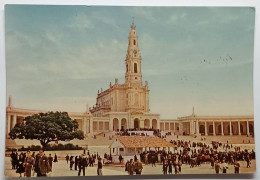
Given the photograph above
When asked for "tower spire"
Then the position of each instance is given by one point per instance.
(10, 101)
(133, 73)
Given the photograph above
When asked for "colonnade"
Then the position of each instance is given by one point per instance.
(11, 122)
(211, 127)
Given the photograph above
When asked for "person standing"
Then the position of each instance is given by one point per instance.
(212, 162)
(37, 167)
(13, 159)
(135, 158)
(131, 167)
(159, 157)
(179, 164)
(50, 159)
(82, 164)
(67, 158)
(248, 162)
(165, 166)
(126, 165)
(146, 159)
(29, 162)
(71, 162)
(120, 158)
(237, 166)
(138, 167)
(224, 167)
(99, 169)
(44, 164)
(170, 166)
(16, 159)
(217, 167)
(76, 163)
(55, 158)
(20, 166)
(91, 161)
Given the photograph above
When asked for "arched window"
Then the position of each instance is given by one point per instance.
(127, 68)
(135, 67)
(134, 42)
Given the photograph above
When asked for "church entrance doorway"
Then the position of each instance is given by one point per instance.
(136, 123)
(202, 129)
(123, 124)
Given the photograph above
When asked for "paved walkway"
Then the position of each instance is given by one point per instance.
(61, 168)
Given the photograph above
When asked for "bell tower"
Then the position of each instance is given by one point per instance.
(133, 74)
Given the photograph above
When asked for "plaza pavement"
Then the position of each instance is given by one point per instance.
(61, 168)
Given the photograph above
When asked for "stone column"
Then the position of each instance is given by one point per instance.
(247, 128)
(164, 126)
(191, 130)
(197, 127)
(230, 128)
(174, 127)
(8, 124)
(142, 123)
(206, 128)
(119, 124)
(87, 125)
(238, 125)
(180, 128)
(104, 125)
(84, 125)
(14, 121)
(222, 128)
(97, 125)
(111, 125)
(213, 124)
(91, 126)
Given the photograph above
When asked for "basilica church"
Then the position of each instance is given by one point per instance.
(126, 106)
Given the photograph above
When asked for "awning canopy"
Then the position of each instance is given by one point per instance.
(143, 141)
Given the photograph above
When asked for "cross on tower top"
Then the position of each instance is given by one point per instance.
(133, 23)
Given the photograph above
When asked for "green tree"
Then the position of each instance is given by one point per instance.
(47, 127)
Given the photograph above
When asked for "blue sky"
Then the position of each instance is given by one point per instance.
(57, 57)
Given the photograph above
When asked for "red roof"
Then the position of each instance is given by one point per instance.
(143, 141)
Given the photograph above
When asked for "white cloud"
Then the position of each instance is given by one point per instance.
(106, 19)
(174, 18)
(80, 22)
(17, 40)
(145, 12)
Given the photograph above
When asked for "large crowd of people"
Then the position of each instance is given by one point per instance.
(216, 155)
(141, 132)
(27, 164)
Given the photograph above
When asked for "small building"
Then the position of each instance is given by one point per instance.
(128, 146)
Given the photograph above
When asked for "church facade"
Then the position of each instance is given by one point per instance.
(130, 100)
(126, 106)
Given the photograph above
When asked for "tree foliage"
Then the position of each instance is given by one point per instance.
(47, 127)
